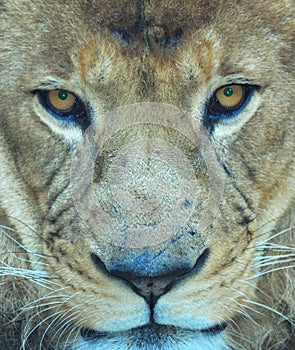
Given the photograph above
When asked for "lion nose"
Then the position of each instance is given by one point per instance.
(148, 285)
(151, 288)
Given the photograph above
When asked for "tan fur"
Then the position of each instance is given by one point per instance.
(70, 43)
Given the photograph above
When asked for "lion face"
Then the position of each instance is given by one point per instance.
(147, 159)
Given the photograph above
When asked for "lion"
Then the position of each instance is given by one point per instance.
(147, 182)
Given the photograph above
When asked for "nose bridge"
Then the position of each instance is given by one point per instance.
(153, 196)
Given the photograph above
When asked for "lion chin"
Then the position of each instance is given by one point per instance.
(147, 187)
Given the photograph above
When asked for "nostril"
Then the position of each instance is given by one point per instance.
(201, 261)
(152, 287)
(99, 263)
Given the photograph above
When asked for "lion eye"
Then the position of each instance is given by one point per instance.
(64, 105)
(229, 100)
(61, 100)
(230, 96)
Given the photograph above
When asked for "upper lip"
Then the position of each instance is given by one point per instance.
(91, 334)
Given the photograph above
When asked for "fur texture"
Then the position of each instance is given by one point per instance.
(57, 276)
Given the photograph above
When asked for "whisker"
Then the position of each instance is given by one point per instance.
(266, 244)
(289, 229)
(275, 247)
(27, 226)
(35, 262)
(254, 286)
(38, 277)
(75, 328)
(242, 310)
(56, 314)
(58, 319)
(51, 295)
(262, 273)
(50, 316)
(2, 229)
(256, 303)
(70, 322)
(272, 262)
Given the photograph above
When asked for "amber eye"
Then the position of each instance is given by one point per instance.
(229, 100)
(65, 106)
(230, 96)
(61, 100)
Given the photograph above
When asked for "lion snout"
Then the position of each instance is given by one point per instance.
(148, 277)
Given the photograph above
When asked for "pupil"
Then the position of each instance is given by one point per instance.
(228, 92)
(62, 95)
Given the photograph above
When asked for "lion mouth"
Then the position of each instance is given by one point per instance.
(152, 333)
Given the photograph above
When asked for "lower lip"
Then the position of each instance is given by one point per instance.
(90, 334)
